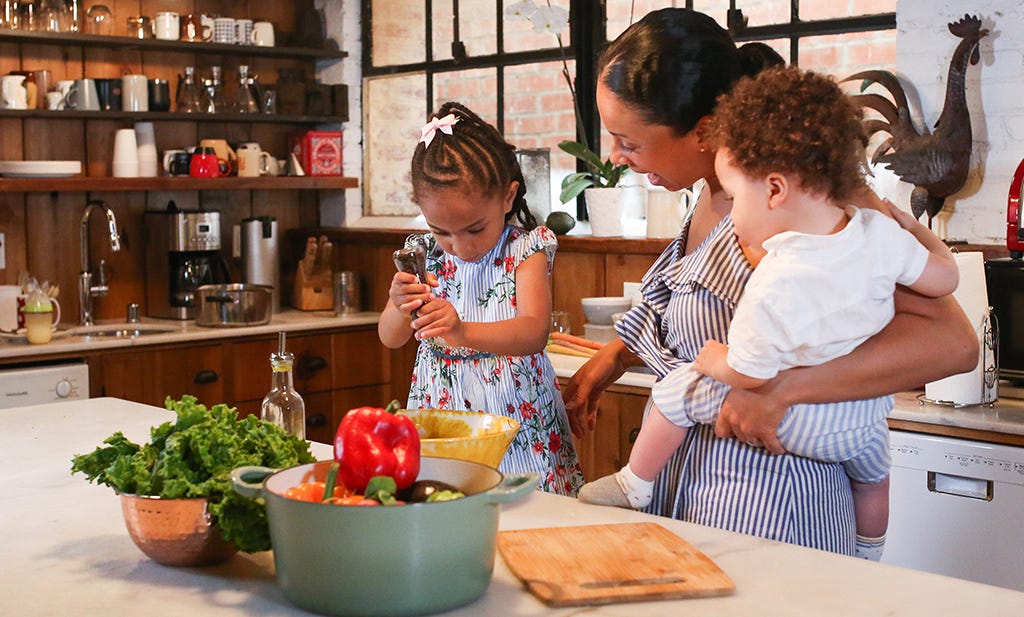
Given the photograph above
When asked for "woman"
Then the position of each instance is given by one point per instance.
(657, 84)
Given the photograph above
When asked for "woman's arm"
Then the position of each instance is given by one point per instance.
(928, 339)
(584, 390)
(524, 334)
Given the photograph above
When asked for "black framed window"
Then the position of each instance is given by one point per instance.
(416, 55)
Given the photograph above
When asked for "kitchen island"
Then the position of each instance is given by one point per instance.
(66, 551)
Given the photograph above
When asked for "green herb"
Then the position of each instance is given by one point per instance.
(382, 489)
(445, 495)
(194, 457)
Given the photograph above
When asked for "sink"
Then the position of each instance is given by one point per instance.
(121, 330)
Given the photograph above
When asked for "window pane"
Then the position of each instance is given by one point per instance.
(394, 115)
(825, 9)
(476, 89)
(398, 32)
(477, 28)
(845, 54)
(520, 36)
(539, 114)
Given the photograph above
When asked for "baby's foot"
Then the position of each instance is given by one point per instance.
(615, 490)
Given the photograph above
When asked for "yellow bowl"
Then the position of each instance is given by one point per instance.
(466, 435)
(174, 532)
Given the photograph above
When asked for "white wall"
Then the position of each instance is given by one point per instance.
(995, 95)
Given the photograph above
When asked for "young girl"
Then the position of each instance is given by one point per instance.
(824, 285)
(484, 316)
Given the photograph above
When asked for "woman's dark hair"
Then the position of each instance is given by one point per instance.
(672, 65)
(474, 155)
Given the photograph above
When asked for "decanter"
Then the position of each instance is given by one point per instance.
(283, 405)
(245, 102)
(188, 99)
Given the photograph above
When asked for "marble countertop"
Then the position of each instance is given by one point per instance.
(66, 551)
(65, 341)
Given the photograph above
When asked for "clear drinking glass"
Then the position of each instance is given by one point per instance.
(98, 20)
(561, 321)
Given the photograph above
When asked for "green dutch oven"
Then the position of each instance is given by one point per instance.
(414, 559)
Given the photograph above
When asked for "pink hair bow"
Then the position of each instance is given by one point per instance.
(437, 124)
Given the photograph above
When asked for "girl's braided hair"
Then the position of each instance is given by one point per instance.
(474, 155)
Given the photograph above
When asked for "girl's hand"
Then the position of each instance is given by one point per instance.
(438, 318)
(407, 293)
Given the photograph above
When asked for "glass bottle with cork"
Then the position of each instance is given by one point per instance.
(283, 406)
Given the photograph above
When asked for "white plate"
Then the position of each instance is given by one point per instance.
(40, 169)
(20, 337)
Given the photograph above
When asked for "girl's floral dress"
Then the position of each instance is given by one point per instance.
(521, 387)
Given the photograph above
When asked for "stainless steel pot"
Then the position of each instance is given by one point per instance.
(226, 306)
(414, 559)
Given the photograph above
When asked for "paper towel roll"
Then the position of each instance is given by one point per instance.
(972, 294)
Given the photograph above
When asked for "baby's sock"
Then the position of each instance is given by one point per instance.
(622, 489)
(638, 491)
(869, 548)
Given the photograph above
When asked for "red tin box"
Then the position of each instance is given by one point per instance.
(319, 152)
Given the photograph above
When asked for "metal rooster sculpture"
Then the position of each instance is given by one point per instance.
(935, 163)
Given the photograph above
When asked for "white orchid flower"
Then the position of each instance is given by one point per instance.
(521, 10)
(551, 19)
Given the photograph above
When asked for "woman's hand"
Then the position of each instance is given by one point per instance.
(752, 416)
(584, 390)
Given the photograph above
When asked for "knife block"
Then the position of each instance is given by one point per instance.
(314, 292)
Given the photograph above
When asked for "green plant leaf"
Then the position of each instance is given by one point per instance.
(574, 184)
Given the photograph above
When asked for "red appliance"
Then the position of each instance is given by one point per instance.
(1014, 231)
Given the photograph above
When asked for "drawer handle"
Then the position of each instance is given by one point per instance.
(317, 419)
(205, 377)
(307, 365)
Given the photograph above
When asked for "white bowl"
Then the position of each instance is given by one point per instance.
(40, 169)
(599, 334)
(599, 310)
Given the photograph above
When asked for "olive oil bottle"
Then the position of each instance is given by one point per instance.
(282, 405)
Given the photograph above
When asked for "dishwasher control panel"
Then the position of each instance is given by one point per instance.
(957, 457)
(50, 383)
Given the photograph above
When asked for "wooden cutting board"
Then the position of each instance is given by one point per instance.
(604, 564)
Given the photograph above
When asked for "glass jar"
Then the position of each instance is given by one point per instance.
(98, 20)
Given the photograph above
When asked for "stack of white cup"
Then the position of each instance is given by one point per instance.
(146, 148)
(126, 154)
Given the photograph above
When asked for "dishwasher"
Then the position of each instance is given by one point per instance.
(957, 508)
(44, 383)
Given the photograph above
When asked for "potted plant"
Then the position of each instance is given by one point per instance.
(599, 174)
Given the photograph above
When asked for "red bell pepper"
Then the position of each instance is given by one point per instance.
(377, 442)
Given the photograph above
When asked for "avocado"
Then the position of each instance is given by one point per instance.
(560, 222)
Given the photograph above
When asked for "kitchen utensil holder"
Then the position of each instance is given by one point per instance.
(314, 292)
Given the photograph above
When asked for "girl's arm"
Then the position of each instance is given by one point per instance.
(524, 334)
(928, 339)
(405, 295)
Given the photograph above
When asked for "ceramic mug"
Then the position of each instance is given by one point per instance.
(243, 31)
(9, 307)
(262, 34)
(13, 94)
(665, 212)
(206, 164)
(134, 93)
(252, 161)
(193, 30)
(176, 162)
(223, 152)
(83, 95)
(224, 30)
(109, 91)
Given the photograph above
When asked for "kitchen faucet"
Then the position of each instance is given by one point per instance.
(86, 290)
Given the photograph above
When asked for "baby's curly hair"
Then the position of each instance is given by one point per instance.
(795, 122)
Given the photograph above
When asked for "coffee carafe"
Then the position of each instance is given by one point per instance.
(182, 253)
(260, 261)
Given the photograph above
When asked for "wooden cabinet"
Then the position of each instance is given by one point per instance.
(606, 449)
(152, 375)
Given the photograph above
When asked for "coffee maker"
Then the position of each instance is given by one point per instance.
(182, 253)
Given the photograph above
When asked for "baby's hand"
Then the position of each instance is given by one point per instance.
(407, 293)
(439, 318)
(711, 360)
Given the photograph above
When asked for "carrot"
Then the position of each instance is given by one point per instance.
(562, 337)
(580, 348)
(556, 348)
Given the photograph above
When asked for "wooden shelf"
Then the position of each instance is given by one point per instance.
(122, 42)
(174, 183)
(170, 116)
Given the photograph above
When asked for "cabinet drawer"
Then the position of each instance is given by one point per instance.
(311, 371)
(361, 359)
(152, 376)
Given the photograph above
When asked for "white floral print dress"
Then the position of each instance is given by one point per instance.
(521, 387)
